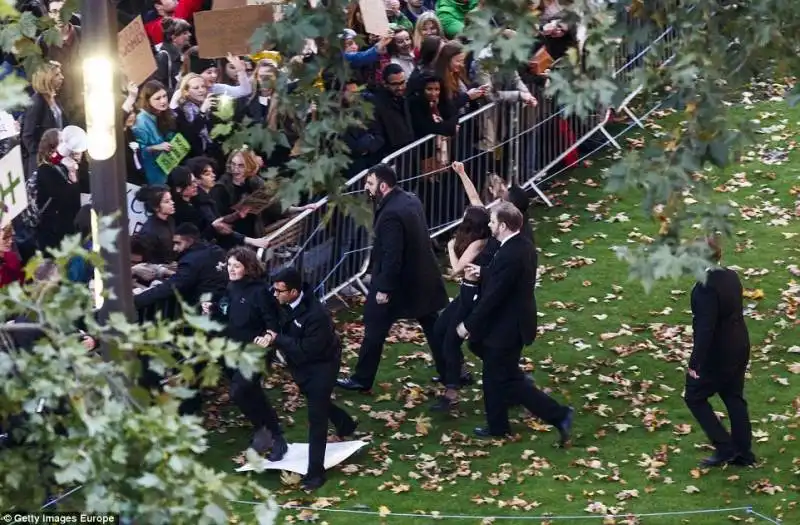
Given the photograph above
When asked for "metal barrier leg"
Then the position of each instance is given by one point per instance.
(358, 282)
(541, 195)
(633, 117)
(610, 138)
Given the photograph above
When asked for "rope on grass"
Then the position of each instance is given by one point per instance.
(541, 517)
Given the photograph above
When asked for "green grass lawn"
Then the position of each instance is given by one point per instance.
(613, 352)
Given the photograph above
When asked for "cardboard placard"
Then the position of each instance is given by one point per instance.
(257, 202)
(12, 186)
(373, 13)
(169, 160)
(135, 55)
(224, 31)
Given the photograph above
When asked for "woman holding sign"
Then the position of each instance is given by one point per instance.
(153, 129)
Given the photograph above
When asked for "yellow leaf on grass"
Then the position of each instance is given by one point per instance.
(383, 511)
(758, 293)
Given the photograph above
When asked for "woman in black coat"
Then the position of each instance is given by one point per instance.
(248, 310)
(44, 113)
(159, 228)
(58, 195)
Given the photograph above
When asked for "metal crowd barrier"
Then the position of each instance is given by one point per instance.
(521, 145)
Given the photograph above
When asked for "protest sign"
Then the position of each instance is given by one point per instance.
(373, 13)
(12, 186)
(169, 160)
(224, 31)
(135, 55)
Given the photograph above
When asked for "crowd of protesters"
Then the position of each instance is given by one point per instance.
(201, 234)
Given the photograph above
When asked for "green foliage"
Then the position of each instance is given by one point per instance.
(129, 448)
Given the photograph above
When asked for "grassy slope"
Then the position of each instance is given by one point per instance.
(642, 390)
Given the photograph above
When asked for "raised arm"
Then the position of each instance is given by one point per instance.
(469, 187)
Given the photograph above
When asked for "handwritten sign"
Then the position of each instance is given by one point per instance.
(135, 55)
(8, 127)
(373, 13)
(137, 215)
(12, 186)
(223, 31)
(169, 160)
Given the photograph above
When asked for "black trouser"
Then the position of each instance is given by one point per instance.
(505, 385)
(150, 380)
(731, 390)
(445, 343)
(248, 395)
(317, 386)
(378, 320)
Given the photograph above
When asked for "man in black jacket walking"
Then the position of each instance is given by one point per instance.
(308, 343)
(718, 363)
(201, 270)
(406, 280)
(504, 321)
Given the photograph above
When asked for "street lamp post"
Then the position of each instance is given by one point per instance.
(106, 160)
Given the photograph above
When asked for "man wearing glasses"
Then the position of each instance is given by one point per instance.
(309, 346)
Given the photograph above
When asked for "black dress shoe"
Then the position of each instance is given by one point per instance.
(465, 379)
(262, 441)
(717, 460)
(348, 429)
(349, 384)
(444, 404)
(279, 448)
(565, 428)
(312, 482)
(744, 460)
(483, 432)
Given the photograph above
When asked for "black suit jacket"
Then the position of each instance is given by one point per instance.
(307, 337)
(403, 263)
(201, 270)
(505, 315)
(721, 340)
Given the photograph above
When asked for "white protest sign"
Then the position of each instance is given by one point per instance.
(12, 186)
(136, 214)
(8, 127)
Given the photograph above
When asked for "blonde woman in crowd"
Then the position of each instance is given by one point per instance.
(44, 113)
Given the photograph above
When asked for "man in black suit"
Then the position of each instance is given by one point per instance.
(406, 280)
(718, 363)
(201, 270)
(308, 343)
(502, 322)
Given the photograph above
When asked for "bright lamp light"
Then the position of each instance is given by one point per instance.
(98, 75)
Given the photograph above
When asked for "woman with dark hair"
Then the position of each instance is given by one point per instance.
(160, 226)
(154, 128)
(472, 244)
(428, 51)
(401, 51)
(183, 187)
(204, 170)
(248, 310)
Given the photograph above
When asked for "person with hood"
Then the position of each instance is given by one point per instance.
(453, 15)
(307, 341)
(249, 311)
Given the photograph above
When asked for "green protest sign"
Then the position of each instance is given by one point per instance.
(169, 160)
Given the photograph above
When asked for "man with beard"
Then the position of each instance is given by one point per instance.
(406, 279)
(504, 321)
(391, 110)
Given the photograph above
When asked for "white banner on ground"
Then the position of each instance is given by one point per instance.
(296, 459)
(136, 214)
